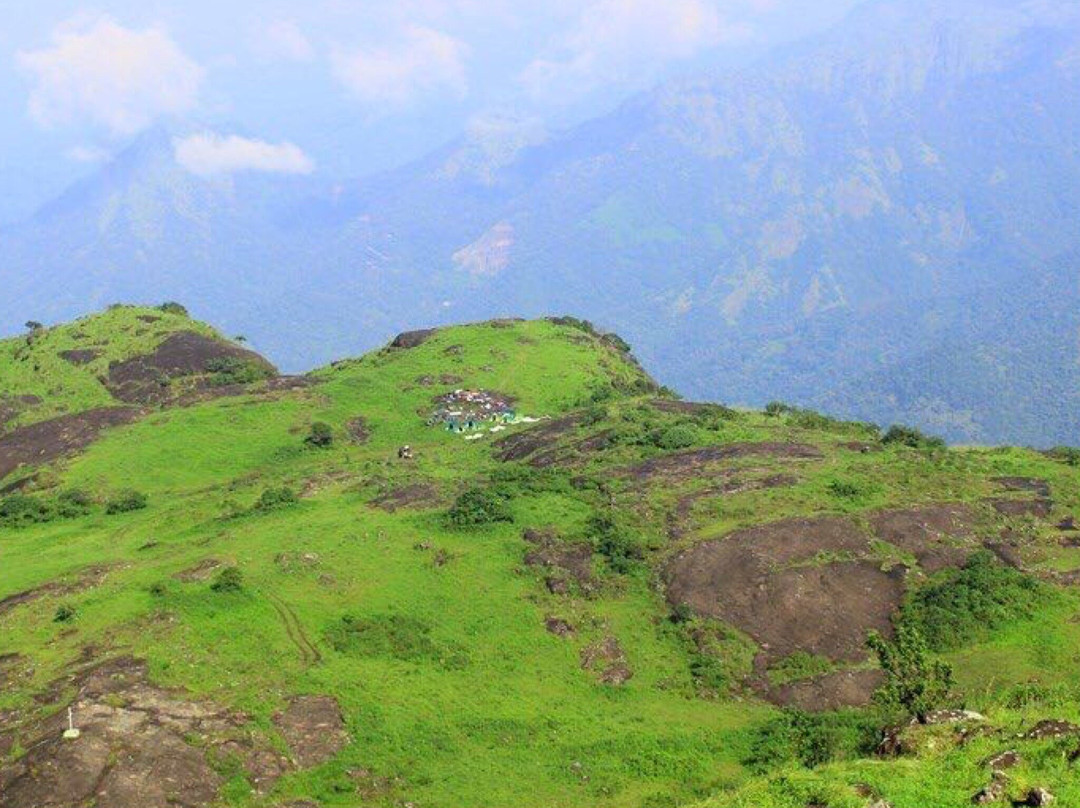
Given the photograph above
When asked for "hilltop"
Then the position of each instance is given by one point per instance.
(497, 564)
(822, 226)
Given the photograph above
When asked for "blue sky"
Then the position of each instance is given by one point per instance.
(339, 87)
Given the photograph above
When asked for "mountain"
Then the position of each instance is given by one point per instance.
(571, 588)
(859, 223)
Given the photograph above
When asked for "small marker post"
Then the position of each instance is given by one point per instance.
(71, 733)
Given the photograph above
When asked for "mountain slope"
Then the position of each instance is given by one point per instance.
(596, 595)
(845, 208)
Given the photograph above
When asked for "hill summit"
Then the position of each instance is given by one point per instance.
(497, 564)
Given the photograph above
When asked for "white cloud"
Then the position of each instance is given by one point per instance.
(110, 76)
(209, 154)
(283, 39)
(426, 61)
(614, 41)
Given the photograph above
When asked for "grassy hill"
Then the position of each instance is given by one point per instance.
(607, 596)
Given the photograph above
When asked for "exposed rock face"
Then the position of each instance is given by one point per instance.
(50, 440)
(313, 728)
(413, 339)
(144, 379)
(776, 583)
(133, 748)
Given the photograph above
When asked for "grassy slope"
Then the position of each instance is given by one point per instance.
(499, 713)
(33, 365)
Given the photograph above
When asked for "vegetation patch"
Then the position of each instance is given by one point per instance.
(392, 636)
(21, 510)
(126, 502)
(799, 665)
(478, 507)
(966, 606)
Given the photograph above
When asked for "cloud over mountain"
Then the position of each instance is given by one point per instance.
(110, 76)
(208, 154)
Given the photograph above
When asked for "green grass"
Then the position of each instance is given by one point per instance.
(31, 365)
(444, 670)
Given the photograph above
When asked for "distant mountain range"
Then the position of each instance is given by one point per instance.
(882, 222)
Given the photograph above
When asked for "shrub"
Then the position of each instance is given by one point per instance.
(680, 436)
(810, 739)
(915, 684)
(320, 435)
(235, 370)
(479, 506)
(172, 307)
(273, 498)
(17, 510)
(615, 543)
(967, 605)
(230, 579)
(125, 502)
(73, 503)
(845, 489)
(911, 437)
(65, 613)
(777, 408)
(617, 342)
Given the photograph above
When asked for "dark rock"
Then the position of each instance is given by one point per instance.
(412, 339)
(1050, 728)
(559, 627)
(1003, 760)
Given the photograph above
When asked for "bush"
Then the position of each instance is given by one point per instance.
(230, 579)
(125, 502)
(73, 503)
(478, 507)
(845, 489)
(810, 739)
(680, 436)
(172, 307)
(915, 684)
(235, 370)
(969, 604)
(18, 510)
(777, 408)
(615, 543)
(911, 437)
(320, 435)
(65, 613)
(273, 498)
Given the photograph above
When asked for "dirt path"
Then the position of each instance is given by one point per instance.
(309, 654)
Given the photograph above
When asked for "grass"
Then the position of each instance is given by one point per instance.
(445, 672)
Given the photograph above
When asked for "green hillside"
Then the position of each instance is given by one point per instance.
(594, 594)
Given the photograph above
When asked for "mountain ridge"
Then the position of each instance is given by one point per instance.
(808, 223)
(496, 564)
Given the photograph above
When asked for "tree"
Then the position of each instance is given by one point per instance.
(240, 338)
(321, 435)
(33, 325)
(914, 682)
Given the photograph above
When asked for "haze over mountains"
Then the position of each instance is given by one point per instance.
(880, 222)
